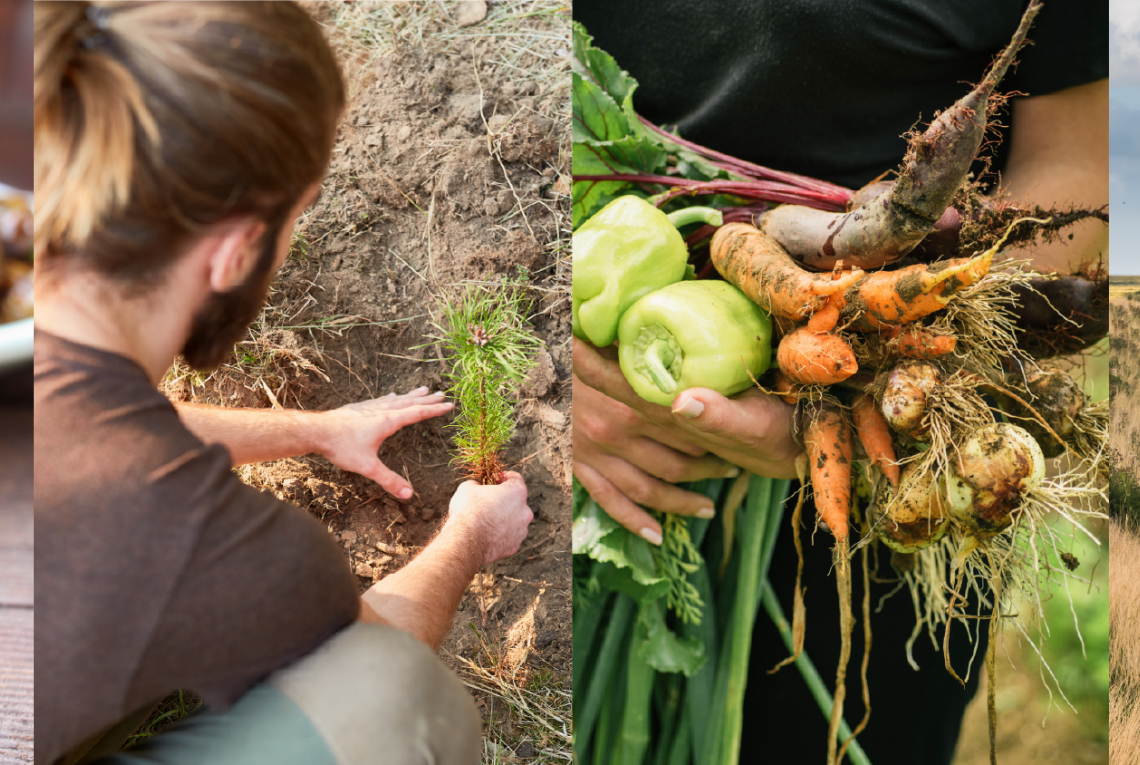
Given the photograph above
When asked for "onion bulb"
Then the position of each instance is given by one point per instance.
(997, 466)
(916, 515)
(903, 402)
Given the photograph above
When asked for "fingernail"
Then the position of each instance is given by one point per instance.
(651, 536)
(688, 407)
(706, 512)
(406, 492)
(393, 393)
(733, 472)
(422, 387)
(440, 393)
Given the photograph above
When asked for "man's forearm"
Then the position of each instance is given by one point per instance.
(254, 435)
(422, 597)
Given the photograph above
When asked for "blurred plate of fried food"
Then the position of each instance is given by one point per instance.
(16, 277)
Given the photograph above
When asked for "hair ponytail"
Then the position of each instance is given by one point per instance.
(154, 120)
(88, 108)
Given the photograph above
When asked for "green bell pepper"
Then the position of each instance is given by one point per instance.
(693, 334)
(628, 249)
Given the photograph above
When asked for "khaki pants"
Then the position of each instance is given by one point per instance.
(371, 694)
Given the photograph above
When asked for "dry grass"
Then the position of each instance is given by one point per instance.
(522, 39)
(1119, 286)
(536, 712)
(1124, 648)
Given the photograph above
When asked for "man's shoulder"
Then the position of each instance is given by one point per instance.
(105, 436)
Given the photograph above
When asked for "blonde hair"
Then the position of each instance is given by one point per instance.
(154, 120)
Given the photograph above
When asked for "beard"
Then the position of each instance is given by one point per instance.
(226, 316)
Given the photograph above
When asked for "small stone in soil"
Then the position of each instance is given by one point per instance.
(384, 547)
(471, 12)
(525, 749)
(348, 537)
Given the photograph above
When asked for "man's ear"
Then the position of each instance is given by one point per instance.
(235, 253)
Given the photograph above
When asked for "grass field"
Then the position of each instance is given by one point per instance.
(1122, 285)
(1124, 715)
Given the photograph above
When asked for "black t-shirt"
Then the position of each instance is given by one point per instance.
(826, 89)
(156, 568)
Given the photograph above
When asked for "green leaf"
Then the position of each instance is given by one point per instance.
(591, 523)
(599, 68)
(600, 537)
(609, 577)
(665, 651)
(597, 117)
(627, 155)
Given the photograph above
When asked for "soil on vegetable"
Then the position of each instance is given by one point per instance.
(451, 165)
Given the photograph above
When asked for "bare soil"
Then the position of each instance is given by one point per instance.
(450, 166)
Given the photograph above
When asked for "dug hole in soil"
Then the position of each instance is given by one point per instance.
(424, 192)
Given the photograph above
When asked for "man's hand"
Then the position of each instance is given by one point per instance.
(499, 515)
(751, 430)
(485, 523)
(350, 436)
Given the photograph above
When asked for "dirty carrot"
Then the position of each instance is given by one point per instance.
(764, 271)
(815, 358)
(918, 343)
(887, 299)
(785, 388)
(827, 441)
(875, 436)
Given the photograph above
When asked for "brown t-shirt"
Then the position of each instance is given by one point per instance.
(156, 568)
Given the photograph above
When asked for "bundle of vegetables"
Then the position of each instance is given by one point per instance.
(912, 347)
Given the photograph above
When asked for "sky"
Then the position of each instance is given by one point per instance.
(1124, 135)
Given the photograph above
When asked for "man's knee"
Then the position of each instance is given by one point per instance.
(372, 688)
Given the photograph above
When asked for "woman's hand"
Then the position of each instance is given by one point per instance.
(627, 450)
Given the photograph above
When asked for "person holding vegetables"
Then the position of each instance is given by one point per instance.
(176, 143)
(826, 93)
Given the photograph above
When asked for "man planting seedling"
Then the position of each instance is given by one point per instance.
(176, 143)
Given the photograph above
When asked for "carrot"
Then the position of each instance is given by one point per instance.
(886, 299)
(785, 388)
(825, 319)
(893, 223)
(827, 441)
(875, 436)
(815, 358)
(764, 271)
(916, 342)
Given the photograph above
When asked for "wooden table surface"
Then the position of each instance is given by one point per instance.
(16, 588)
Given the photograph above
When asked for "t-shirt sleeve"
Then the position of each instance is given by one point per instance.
(1069, 48)
(263, 585)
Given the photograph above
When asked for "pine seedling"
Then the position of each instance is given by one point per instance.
(489, 351)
